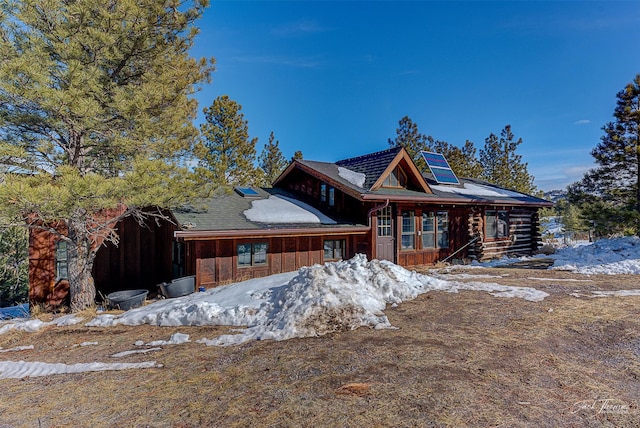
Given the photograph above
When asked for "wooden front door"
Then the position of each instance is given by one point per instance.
(385, 239)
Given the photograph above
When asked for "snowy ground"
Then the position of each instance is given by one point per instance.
(314, 301)
(605, 256)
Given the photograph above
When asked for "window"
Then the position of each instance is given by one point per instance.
(62, 264)
(252, 254)
(334, 249)
(435, 229)
(397, 178)
(408, 230)
(323, 192)
(496, 224)
(443, 229)
(384, 222)
(332, 196)
(428, 230)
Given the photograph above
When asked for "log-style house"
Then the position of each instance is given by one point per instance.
(379, 204)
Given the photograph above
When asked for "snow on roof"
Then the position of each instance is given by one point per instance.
(355, 178)
(477, 190)
(280, 209)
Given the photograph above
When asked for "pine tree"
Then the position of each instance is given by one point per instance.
(228, 152)
(408, 136)
(463, 160)
(609, 194)
(14, 266)
(96, 107)
(502, 166)
(297, 155)
(272, 161)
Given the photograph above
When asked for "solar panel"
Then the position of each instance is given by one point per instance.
(440, 168)
(247, 192)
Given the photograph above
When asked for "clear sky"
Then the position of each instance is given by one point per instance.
(333, 78)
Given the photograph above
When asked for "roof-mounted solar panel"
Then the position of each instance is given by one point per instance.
(440, 168)
(247, 192)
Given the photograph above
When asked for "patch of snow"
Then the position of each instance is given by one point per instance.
(176, 339)
(17, 348)
(471, 189)
(610, 293)
(465, 276)
(21, 369)
(355, 178)
(33, 325)
(280, 209)
(135, 351)
(559, 279)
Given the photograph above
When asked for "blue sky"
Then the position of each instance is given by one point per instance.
(333, 78)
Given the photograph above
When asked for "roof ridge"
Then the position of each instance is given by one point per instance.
(369, 155)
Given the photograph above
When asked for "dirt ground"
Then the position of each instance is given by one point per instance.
(454, 360)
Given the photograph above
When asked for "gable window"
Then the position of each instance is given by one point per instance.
(62, 263)
(408, 230)
(384, 222)
(435, 229)
(323, 192)
(496, 224)
(332, 196)
(334, 249)
(397, 178)
(252, 254)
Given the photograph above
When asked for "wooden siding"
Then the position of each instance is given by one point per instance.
(215, 261)
(458, 235)
(523, 239)
(43, 287)
(141, 260)
(307, 188)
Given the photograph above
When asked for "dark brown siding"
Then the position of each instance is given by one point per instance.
(142, 259)
(307, 189)
(215, 261)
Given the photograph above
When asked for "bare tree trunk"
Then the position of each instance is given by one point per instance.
(80, 258)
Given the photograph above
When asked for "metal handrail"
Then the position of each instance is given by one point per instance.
(460, 249)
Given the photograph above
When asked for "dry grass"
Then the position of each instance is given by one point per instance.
(466, 359)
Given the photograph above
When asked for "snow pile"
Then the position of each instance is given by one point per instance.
(280, 209)
(356, 178)
(20, 369)
(605, 256)
(314, 301)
